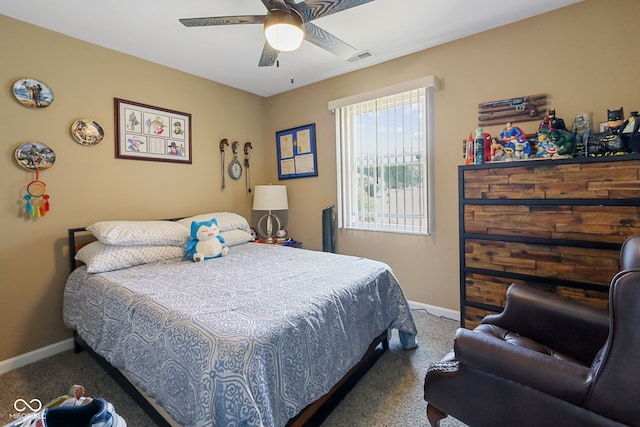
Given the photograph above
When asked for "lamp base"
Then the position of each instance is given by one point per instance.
(268, 226)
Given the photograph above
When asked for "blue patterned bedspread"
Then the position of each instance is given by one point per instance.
(249, 339)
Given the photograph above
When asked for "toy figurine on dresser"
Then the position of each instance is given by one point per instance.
(630, 133)
(609, 142)
(488, 140)
(550, 121)
(515, 143)
(497, 152)
(545, 148)
(554, 144)
(581, 132)
(564, 141)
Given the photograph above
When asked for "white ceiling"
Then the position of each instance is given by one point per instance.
(149, 29)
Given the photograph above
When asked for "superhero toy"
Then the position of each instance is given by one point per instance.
(609, 142)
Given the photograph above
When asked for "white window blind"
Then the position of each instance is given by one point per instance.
(384, 159)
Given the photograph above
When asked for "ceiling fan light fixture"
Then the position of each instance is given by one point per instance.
(283, 30)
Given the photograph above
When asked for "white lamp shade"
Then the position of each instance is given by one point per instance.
(270, 198)
(283, 30)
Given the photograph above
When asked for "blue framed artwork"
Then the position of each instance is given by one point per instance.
(297, 152)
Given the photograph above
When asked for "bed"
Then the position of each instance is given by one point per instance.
(255, 338)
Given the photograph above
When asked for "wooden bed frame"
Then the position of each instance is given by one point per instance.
(313, 415)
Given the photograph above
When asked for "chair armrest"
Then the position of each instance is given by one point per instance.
(563, 379)
(567, 326)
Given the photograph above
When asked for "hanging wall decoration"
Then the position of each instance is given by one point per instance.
(32, 93)
(235, 168)
(247, 147)
(297, 152)
(520, 109)
(87, 132)
(224, 143)
(35, 156)
(144, 132)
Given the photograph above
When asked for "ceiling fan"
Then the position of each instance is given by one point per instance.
(285, 15)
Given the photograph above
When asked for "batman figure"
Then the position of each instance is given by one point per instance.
(609, 142)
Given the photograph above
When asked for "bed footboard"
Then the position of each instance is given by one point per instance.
(312, 415)
(315, 413)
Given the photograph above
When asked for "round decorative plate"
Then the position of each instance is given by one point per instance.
(35, 155)
(87, 132)
(32, 93)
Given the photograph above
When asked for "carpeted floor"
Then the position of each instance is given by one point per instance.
(389, 395)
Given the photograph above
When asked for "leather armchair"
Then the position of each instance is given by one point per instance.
(547, 360)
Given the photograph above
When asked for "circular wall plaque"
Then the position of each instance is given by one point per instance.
(32, 93)
(87, 132)
(35, 155)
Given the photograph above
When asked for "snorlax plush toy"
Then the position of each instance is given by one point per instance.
(206, 241)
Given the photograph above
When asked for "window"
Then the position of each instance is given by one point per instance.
(384, 154)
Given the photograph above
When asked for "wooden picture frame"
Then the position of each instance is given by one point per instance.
(145, 132)
(297, 155)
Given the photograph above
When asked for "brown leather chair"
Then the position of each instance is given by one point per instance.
(630, 253)
(547, 361)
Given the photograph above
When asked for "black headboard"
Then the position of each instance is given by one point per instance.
(73, 248)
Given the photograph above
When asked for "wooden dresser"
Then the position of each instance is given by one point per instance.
(553, 224)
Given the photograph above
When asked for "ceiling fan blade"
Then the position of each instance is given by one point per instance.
(268, 56)
(275, 4)
(327, 41)
(222, 20)
(314, 9)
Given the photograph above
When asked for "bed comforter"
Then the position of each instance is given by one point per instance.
(249, 339)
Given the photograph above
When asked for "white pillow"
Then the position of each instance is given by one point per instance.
(236, 237)
(100, 258)
(156, 233)
(226, 221)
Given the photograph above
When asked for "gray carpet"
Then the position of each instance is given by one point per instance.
(389, 395)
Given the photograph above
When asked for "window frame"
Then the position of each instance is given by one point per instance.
(430, 84)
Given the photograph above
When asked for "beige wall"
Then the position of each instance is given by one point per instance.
(582, 56)
(87, 184)
(577, 55)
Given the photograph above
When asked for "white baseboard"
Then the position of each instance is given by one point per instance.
(35, 355)
(436, 311)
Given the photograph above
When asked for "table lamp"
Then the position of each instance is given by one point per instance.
(269, 198)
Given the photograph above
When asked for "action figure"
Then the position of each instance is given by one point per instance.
(551, 122)
(545, 149)
(564, 141)
(515, 142)
(630, 133)
(511, 133)
(556, 123)
(497, 152)
(582, 132)
(609, 142)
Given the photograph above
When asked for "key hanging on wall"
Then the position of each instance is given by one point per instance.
(247, 147)
(224, 143)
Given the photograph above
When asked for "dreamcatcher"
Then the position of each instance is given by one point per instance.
(35, 156)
